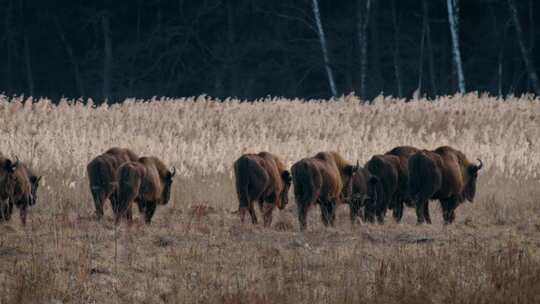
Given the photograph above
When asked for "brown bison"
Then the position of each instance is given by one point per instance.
(324, 179)
(387, 169)
(263, 178)
(102, 175)
(147, 182)
(364, 192)
(444, 174)
(402, 196)
(18, 186)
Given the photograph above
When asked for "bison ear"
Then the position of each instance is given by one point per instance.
(10, 166)
(349, 170)
(373, 180)
(172, 172)
(35, 179)
(286, 176)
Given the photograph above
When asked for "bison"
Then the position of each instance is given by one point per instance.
(146, 181)
(387, 169)
(18, 186)
(263, 178)
(402, 196)
(364, 192)
(444, 174)
(324, 179)
(102, 175)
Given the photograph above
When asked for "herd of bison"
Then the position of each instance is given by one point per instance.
(403, 176)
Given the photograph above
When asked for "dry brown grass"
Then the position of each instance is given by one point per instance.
(196, 251)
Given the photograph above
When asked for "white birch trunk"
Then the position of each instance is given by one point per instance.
(362, 24)
(453, 21)
(324, 48)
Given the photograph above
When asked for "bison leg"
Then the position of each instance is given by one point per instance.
(6, 208)
(381, 213)
(99, 198)
(22, 213)
(397, 212)
(302, 215)
(328, 214)
(427, 217)
(149, 211)
(420, 211)
(252, 213)
(267, 210)
(369, 212)
(354, 210)
(448, 206)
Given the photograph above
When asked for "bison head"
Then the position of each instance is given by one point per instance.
(7, 177)
(470, 187)
(167, 185)
(34, 184)
(350, 172)
(284, 197)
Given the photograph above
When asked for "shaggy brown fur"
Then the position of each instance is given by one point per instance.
(364, 192)
(444, 174)
(147, 182)
(18, 186)
(102, 175)
(263, 178)
(324, 179)
(402, 194)
(386, 168)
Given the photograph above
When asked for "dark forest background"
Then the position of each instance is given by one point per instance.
(254, 48)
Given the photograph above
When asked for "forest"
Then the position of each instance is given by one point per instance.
(249, 49)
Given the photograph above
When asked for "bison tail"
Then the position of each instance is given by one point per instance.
(305, 190)
(128, 187)
(241, 174)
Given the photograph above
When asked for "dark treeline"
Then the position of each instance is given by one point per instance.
(255, 48)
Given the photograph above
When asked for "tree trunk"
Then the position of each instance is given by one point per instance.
(527, 59)
(231, 61)
(132, 76)
(72, 59)
(107, 59)
(9, 46)
(324, 48)
(453, 21)
(430, 51)
(378, 81)
(396, 49)
(28, 66)
(421, 60)
(362, 21)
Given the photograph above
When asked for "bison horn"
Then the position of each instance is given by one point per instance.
(173, 171)
(16, 164)
(480, 165)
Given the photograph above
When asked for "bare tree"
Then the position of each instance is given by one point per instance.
(71, 56)
(527, 59)
(396, 49)
(9, 44)
(362, 21)
(324, 48)
(453, 21)
(430, 50)
(107, 59)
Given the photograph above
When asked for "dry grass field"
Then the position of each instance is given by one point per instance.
(196, 250)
